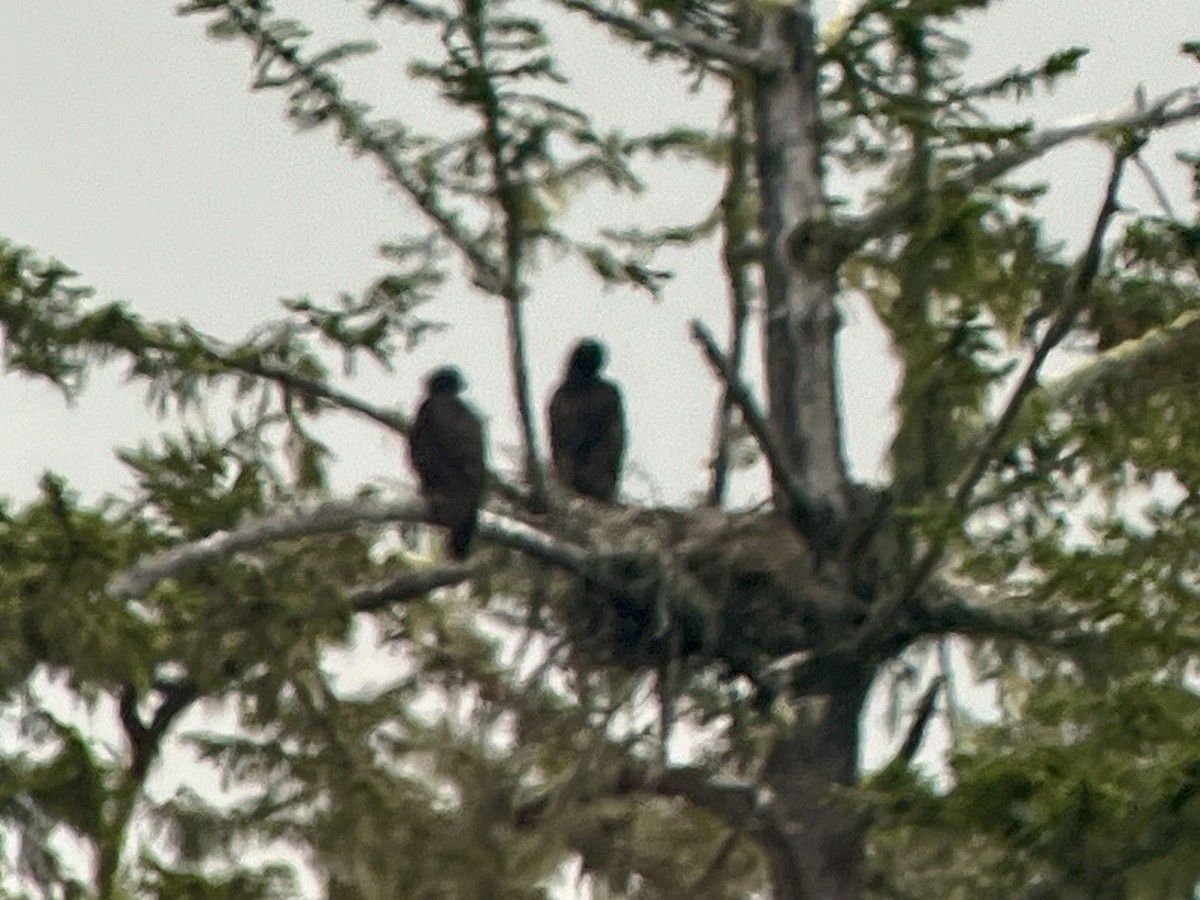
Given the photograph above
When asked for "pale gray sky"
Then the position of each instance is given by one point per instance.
(133, 150)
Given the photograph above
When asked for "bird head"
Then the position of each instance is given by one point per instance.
(586, 360)
(446, 380)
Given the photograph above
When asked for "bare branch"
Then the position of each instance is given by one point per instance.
(1170, 109)
(683, 41)
(1156, 187)
(916, 732)
(525, 539)
(755, 420)
(519, 367)
(406, 586)
(803, 511)
(735, 228)
(145, 741)
(507, 179)
(1083, 274)
(702, 882)
(330, 517)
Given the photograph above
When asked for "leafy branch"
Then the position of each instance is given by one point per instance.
(277, 45)
(887, 610)
(1171, 108)
(680, 40)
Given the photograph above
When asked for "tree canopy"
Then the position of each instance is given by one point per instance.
(632, 700)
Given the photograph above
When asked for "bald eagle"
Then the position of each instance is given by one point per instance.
(587, 426)
(445, 447)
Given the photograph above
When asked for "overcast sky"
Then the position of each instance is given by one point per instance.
(132, 149)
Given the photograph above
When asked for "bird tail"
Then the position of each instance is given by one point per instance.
(461, 535)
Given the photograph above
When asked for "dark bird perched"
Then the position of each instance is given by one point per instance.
(445, 446)
(587, 426)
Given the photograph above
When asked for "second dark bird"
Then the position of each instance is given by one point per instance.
(587, 426)
(445, 446)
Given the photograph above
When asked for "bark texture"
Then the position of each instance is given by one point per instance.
(799, 266)
(819, 854)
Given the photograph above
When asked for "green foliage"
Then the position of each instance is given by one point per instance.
(486, 755)
(162, 882)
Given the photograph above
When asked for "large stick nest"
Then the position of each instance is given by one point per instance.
(738, 591)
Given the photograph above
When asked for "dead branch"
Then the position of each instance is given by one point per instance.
(735, 230)
(508, 194)
(916, 732)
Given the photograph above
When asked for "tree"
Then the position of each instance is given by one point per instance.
(540, 712)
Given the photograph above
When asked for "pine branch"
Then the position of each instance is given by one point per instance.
(331, 517)
(1156, 346)
(365, 137)
(1022, 80)
(888, 611)
(1170, 109)
(682, 41)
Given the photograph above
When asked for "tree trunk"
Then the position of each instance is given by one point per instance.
(818, 851)
(798, 262)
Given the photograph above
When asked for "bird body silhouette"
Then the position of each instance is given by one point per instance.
(587, 426)
(446, 449)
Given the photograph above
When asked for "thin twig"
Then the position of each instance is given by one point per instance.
(1160, 194)
(508, 193)
(735, 229)
(702, 884)
(802, 508)
(316, 390)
